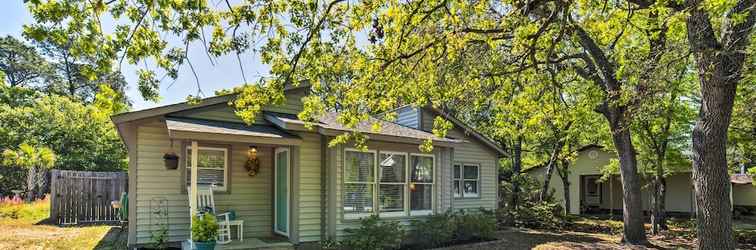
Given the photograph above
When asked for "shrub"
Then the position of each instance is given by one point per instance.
(540, 215)
(204, 227)
(435, 230)
(479, 225)
(374, 234)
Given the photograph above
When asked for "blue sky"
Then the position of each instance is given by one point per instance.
(224, 74)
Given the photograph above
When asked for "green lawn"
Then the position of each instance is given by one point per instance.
(23, 226)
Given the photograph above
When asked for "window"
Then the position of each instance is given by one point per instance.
(421, 184)
(212, 164)
(392, 183)
(398, 183)
(466, 181)
(359, 183)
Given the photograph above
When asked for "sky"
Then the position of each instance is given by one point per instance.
(224, 73)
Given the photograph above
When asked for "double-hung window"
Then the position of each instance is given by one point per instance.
(392, 183)
(421, 184)
(387, 183)
(466, 180)
(212, 167)
(359, 183)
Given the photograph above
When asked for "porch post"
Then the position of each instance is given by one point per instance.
(193, 181)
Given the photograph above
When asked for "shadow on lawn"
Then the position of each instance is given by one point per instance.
(532, 239)
(115, 238)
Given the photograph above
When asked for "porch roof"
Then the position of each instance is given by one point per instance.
(185, 128)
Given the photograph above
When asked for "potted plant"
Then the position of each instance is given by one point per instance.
(171, 160)
(204, 231)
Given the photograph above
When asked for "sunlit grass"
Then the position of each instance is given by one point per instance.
(22, 227)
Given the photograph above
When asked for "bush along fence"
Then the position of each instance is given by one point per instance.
(85, 197)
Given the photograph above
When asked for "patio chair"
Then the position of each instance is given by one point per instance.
(206, 202)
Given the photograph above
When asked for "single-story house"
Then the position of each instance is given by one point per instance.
(302, 190)
(589, 194)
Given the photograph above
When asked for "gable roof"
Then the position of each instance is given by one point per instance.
(327, 124)
(172, 108)
(469, 130)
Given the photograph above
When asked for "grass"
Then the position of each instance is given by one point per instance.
(600, 233)
(23, 226)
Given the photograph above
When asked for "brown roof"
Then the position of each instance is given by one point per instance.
(329, 121)
(217, 127)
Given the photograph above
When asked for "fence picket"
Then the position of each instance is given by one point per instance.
(84, 197)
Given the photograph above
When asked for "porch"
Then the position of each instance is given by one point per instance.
(244, 170)
(250, 243)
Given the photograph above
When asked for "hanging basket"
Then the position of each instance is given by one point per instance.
(171, 161)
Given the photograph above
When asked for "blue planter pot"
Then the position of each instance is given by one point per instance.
(204, 245)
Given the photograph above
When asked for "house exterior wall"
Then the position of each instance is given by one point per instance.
(336, 223)
(408, 116)
(309, 190)
(250, 197)
(471, 152)
(744, 195)
(679, 197)
(316, 211)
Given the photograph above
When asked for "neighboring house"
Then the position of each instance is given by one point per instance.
(588, 194)
(329, 188)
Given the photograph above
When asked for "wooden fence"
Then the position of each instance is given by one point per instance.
(85, 197)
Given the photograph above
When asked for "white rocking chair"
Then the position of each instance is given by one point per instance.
(206, 202)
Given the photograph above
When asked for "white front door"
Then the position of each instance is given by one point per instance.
(281, 191)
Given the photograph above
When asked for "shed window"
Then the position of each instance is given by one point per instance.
(212, 166)
(466, 180)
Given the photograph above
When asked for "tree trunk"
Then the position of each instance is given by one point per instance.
(710, 177)
(564, 175)
(516, 167)
(30, 183)
(719, 65)
(632, 210)
(658, 215)
(549, 171)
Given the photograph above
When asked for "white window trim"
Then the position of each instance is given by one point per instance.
(457, 180)
(405, 184)
(375, 186)
(461, 180)
(433, 186)
(225, 165)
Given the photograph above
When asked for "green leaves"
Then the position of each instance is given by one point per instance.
(28, 156)
(82, 137)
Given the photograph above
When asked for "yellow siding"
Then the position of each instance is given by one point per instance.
(250, 197)
(679, 196)
(471, 152)
(310, 192)
(442, 162)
